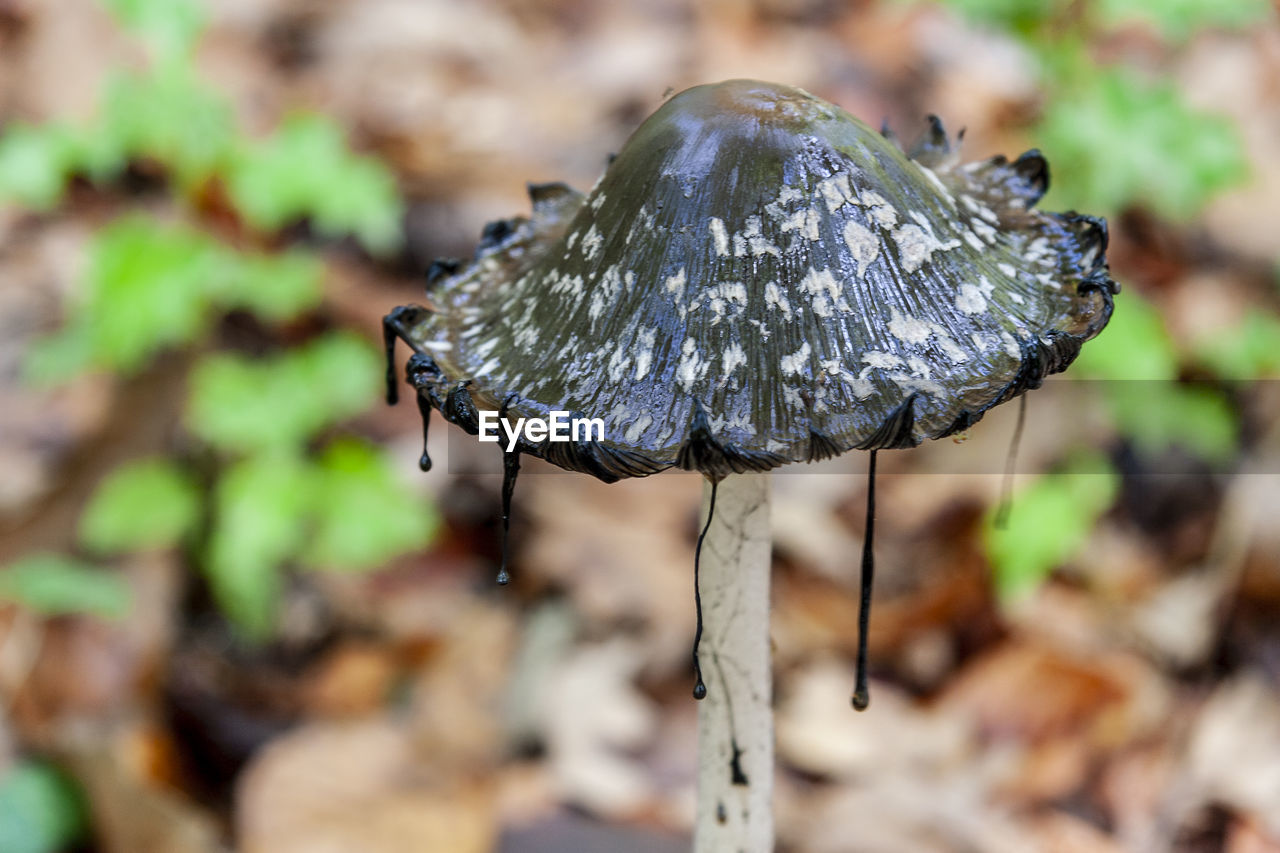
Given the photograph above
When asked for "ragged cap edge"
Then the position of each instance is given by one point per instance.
(1018, 184)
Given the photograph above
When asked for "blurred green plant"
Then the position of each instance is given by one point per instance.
(1047, 524)
(1123, 137)
(55, 585)
(1178, 20)
(1138, 363)
(285, 489)
(274, 183)
(1118, 138)
(145, 504)
(242, 405)
(167, 117)
(41, 809)
(1250, 350)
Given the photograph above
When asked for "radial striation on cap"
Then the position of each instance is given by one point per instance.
(759, 278)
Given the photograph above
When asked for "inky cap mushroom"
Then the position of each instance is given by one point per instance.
(759, 278)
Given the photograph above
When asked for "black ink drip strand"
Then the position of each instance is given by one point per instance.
(424, 409)
(861, 696)
(389, 340)
(510, 469)
(700, 687)
(1010, 463)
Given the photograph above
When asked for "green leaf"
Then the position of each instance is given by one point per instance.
(1137, 357)
(169, 116)
(1134, 345)
(1160, 415)
(169, 27)
(151, 285)
(260, 513)
(147, 288)
(41, 809)
(1116, 140)
(364, 202)
(275, 288)
(364, 514)
(242, 405)
(54, 585)
(306, 170)
(35, 163)
(1178, 20)
(1047, 524)
(151, 503)
(1023, 17)
(56, 359)
(1249, 350)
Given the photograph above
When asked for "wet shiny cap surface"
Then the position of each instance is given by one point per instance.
(760, 278)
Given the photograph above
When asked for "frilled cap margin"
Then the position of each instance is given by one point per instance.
(759, 278)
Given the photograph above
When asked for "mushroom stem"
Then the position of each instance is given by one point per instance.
(735, 720)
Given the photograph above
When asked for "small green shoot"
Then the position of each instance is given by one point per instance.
(1136, 357)
(42, 810)
(1122, 139)
(241, 405)
(35, 163)
(169, 27)
(54, 585)
(1178, 20)
(166, 116)
(147, 504)
(277, 181)
(363, 514)
(1047, 525)
(1135, 345)
(153, 285)
(260, 510)
(1249, 350)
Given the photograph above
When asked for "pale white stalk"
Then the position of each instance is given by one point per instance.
(735, 720)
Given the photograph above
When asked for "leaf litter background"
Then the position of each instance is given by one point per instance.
(1104, 677)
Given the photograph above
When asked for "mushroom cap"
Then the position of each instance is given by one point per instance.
(759, 278)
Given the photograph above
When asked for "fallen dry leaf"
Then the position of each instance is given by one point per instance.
(130, 812)
(594, 721)
(1231, 754)
(623, 553)
(818, 731)
(366, 786)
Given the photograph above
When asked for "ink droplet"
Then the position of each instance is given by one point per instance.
(389, 341)
(1010, 466)
(861, 697)
(510, 470)
(424, 409)
(700, 688)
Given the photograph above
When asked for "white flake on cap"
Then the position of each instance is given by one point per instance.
(863, 245)
(644, 351)
(837, 191)
(591, 242)
(733, 358)
(718, 233)
(797, 361)
(692, 366)
(824, 292)
(775, 298)
(969, 299)
(910, 330)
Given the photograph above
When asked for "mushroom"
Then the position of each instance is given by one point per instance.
(758, 278)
